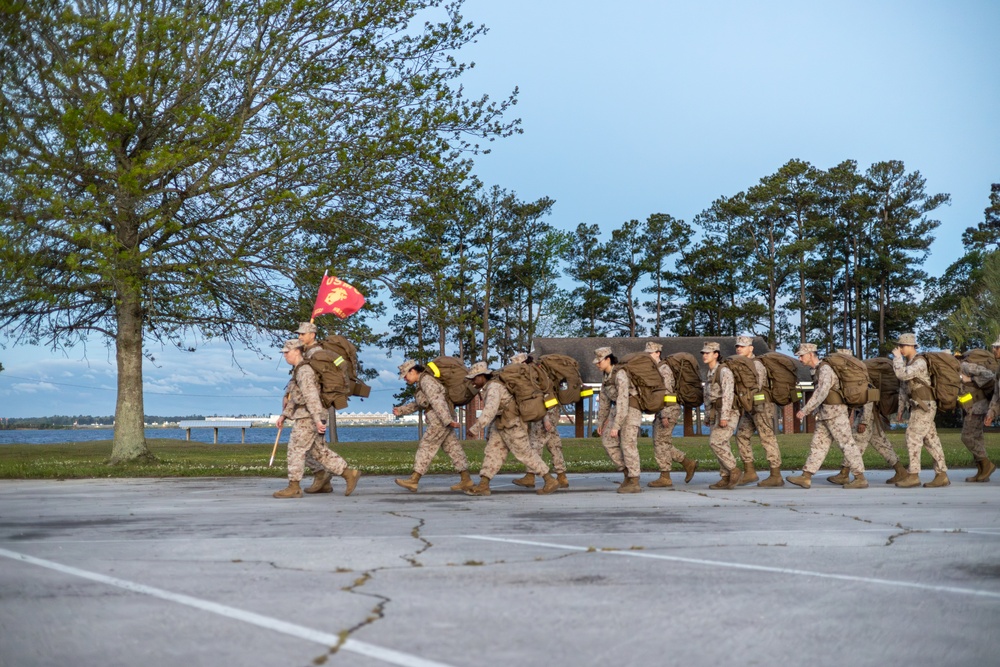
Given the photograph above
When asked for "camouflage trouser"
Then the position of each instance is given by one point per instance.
(514, 441)
(972, 435)
(307, 441)
(718, 441)
(624, 450)
(663, 446)
(921, 432)
(874, 435)
(760, 418)
(829, 431)
(435, 437)
(550, 440)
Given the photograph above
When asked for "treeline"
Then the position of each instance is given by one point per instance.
(63, 421)
(828, 256)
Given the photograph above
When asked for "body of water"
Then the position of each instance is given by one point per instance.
(261, 435)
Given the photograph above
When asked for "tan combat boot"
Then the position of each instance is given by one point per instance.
(411, 483)
(551, 484)
(774, 480)
(940, 479)
(859, 482)
(351, 477)
(910, 480)
(988, 468)
(563, 482)
(804, 480)
(293, 490)
(321, 483)
(723, 482)
(528, 481)
(843, 477)
(689, 465)
(749, 474)
(662, 481)
(979, 472)
(901, 472)
(630, 485)
(481, 489)
(735, 477)
(465, 483)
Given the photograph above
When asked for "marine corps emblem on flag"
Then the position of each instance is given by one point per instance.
(337, 297)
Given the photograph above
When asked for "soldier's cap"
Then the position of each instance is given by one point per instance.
(710, 347)
(805, 348)
(306, 327)
(478, 368)
(844, 350)
(744, 341)
(653, 347)
(601, 353)
(405, 367)
(294, 344)
(907, 339)
(997, 343)
(519, 358)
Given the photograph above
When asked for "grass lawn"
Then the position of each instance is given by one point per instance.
(179, 458)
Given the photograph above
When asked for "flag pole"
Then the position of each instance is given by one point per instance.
(275, 450)
(311, 319)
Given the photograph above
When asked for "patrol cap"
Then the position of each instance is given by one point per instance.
(406, 367)
(710, 347)
(519, 358)
(478, 368)
(306, 327)
(653, 347)
(744, 341)
(805, 348)
(907, 339)
(601, 353)
(294, 344)
(997, 343)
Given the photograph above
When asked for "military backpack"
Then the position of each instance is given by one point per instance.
(522, 381)
(564, 373)
(687, 379)
(974, 393)
(336, 368)
(782, 378)
(946, 378)
(451, 372)
(883, 378)
(744, 381)
(855, 386)
(644, 374)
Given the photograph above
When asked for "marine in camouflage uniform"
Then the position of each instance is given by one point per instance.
(431, 397)
(302, 405)
(915, 391)
(321, 478)
(663, 427)
(722, 416)
(832, 423)
(543, 434)
(976, 378)
(507, 435)
(617, 420)
(761, 419)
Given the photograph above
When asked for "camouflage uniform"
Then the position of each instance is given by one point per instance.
(874, 434)
(721, 387)
(615, 414)
(508, 433)
(303, 406)
(432, 397)
(542, 438)
(920, 431)
(311, 463)
(972, 422)
(761, 418)
(663, 436)
(832, 425)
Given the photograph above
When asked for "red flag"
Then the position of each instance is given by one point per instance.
(337, 297)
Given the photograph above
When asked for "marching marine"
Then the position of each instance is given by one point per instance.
(618, 421)
(722, 416)
(915, 390)
(664, 451)
(543, 434)
(761, 419)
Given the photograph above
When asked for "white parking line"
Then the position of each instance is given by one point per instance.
(742, 566)
(324, 638)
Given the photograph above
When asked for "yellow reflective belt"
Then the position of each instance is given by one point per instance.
(552, 402)
(670, 398)
(338, 361)
(759, 397)
(434, 369)
(965, 399)
(586, 392)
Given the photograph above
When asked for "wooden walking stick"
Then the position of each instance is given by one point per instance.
(275, 450)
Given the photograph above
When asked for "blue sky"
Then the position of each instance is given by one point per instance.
(641, 107)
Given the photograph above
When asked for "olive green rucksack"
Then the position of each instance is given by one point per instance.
(564, 373)
(530, 397)
(946, 378)
(451, 372)
(976, 393)
(336, 368)
(883, 378)
(782, 378)
(744, 380)
(688, 384)
(855, 385)
(644, 374)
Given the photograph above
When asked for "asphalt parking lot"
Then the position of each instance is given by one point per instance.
(194, 572)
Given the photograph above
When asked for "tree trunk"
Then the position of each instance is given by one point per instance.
(130, 434)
